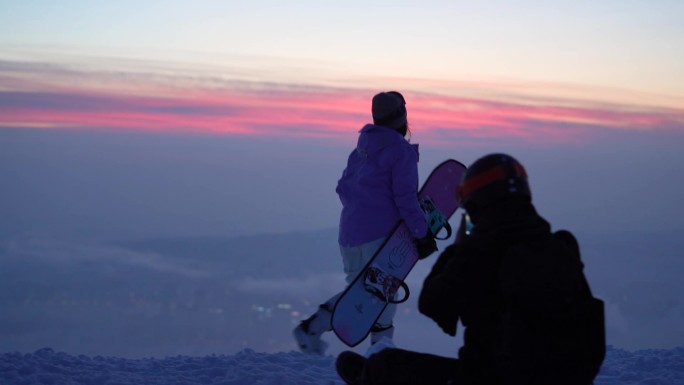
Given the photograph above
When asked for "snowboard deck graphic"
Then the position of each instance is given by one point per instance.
(362, 302)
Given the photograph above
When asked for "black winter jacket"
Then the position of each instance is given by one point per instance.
(463, 283)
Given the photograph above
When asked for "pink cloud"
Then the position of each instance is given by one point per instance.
(323, 112)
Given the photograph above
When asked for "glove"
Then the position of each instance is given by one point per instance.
(426, 245)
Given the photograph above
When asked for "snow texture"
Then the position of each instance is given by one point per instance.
(45, 366)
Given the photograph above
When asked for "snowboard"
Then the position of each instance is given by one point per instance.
(382, 279)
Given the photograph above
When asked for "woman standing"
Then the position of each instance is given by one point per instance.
(378, 188)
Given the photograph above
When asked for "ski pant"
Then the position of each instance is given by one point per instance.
(354, 259)
(402, 367)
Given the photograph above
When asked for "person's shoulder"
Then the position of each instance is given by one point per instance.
(396, 145)
(403, 146)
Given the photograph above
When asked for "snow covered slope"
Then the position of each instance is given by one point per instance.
(45, 366)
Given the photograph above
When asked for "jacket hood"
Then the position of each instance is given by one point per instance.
(373, 138)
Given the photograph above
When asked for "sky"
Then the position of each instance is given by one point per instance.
(170, 118)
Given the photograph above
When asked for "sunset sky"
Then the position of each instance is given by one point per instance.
(556, 81)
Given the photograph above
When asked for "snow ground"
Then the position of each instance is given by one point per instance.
(45, 366)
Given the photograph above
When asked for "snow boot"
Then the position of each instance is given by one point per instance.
(308, 332)
(384, 343)
(349, 366)
(379, 332)
(381, 339)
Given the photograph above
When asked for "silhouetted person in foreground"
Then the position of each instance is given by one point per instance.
(517, 288)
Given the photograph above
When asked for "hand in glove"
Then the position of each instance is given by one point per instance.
(426, 245)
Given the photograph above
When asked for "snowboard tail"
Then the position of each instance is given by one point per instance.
(378, 284)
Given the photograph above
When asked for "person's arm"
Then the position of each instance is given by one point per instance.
(443, 292)
(405, 191)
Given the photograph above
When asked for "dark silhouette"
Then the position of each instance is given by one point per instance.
(518, 289)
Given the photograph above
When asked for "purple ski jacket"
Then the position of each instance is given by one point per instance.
(379, 187)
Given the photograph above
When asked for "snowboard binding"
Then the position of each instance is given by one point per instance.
(436, 219)
(384, 285)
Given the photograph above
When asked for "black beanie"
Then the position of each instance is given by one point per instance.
(389, 110)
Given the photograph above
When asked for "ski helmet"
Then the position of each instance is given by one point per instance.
(490, 179)
(389, 109)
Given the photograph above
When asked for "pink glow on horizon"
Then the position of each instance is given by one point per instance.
(321, 112)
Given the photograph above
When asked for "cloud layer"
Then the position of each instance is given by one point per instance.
(144, 97)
